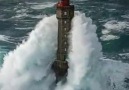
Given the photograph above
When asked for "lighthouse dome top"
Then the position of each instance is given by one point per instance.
(63, 3)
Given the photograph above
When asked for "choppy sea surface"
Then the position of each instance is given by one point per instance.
(18, 19)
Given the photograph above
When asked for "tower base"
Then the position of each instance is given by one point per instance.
(60, 68)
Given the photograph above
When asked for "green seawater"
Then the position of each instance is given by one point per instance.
(18, 18)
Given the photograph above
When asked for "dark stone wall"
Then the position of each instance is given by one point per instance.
(64, 16)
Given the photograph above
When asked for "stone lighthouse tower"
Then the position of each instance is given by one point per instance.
(64, 14)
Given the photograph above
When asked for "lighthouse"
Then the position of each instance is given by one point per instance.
(64, 14)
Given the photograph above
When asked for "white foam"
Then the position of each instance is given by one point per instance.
(86, 70)
(113, 75)
(6, 39)
(3, 38)
(105, 31)
(124, 54)
(115, 25)
(21, 28)
(84, 52)
(109, 37)
(125, 16)
(28, 66)
(20, 15)
(43, 5)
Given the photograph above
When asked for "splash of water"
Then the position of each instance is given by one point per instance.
(28, 67)
(85, 50)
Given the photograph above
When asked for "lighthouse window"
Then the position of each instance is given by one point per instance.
(65, 13)
(65, 22)
(65, 49)
(65, 29)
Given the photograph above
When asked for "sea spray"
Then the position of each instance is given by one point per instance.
(28, 66)
(86, 70)
(85, 51)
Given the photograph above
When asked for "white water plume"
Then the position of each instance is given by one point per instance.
(84, 52)
(86, 70)
(28, 66)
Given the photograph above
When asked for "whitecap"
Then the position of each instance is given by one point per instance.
(43, 5)
(109, 37)
(116, 25)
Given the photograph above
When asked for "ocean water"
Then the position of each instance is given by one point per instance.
(19, 18)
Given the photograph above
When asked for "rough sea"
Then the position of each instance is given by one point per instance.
(19, 28)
